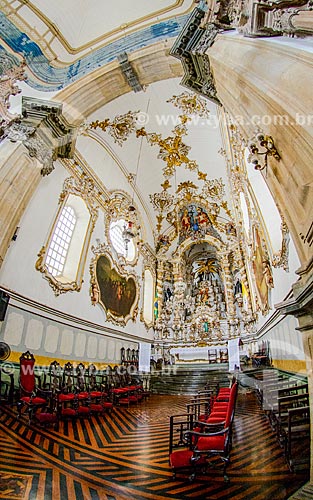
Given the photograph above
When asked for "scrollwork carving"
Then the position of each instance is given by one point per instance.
(84, 188)
(281, 259)
(113, 288)
(58, 287)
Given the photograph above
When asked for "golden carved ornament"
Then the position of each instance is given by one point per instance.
(120, 128)
(57, 286)
(113, 288)
(84, 188)
(190, 104)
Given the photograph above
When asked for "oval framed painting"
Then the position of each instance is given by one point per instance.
(115, 290)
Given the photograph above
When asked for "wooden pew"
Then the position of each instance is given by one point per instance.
(285, 404)
(270, 402)
(296, 437)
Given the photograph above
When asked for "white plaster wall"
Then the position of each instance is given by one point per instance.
(285, 340)
(44, 336)
(18, 271)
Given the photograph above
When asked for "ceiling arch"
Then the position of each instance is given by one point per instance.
(93, 91)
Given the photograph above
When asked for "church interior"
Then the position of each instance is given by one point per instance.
(156, 271)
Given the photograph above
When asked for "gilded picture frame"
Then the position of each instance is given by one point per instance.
(113, 288)
(262, 272)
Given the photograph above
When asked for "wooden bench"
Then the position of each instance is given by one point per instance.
(296, 437)
(270, 403)
(285, 404)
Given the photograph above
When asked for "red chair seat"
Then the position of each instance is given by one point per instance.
(46, 418)
(219, 405)
(83, 395)
(66, 397)
(107, 404)
(68, 412)
(133, 399)
(216, 418)
(182, 459)
(97, 394)
(35, 401)
(121, 390)
(123, 401)
(83, 410)
(211, 443)
(96, 407)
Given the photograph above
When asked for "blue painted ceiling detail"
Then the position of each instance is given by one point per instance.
(49, 78)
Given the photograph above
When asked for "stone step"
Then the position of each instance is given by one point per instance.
(186, 380)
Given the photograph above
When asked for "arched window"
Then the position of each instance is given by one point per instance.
(120, 245)
(62, 259)
(61, 240)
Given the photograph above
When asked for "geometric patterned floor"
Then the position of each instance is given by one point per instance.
(124, 455)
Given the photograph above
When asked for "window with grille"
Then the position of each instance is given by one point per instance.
(117, 240)
(60, 242)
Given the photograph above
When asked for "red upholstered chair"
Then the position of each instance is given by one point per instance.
(81, 391)
(67, 400)
(209, 439)
(120, 393)
(224, 392)
(32, 397)
(98, 396)
(181, 456)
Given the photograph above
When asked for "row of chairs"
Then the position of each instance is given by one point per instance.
(197, 437)
(218, 356)
(70, 392)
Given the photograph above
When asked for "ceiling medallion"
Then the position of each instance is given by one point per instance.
(120, 128)
(190, 104)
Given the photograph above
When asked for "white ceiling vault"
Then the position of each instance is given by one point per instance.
(92, 34)
(62, 40)
(86, 23)
(71, 52)
(137, 158)
(67, 44)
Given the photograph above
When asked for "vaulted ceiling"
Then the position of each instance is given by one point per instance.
(72, 48)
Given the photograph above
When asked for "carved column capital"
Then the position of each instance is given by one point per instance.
(43, 131)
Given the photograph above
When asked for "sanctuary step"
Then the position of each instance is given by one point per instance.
(175, 379)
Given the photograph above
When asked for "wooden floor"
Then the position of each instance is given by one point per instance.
(124, 455)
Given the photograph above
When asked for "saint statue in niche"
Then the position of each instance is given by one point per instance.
(262, 273)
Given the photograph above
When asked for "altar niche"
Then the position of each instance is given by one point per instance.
(205, 298)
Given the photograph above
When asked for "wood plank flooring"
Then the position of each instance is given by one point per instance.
(125, 455)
